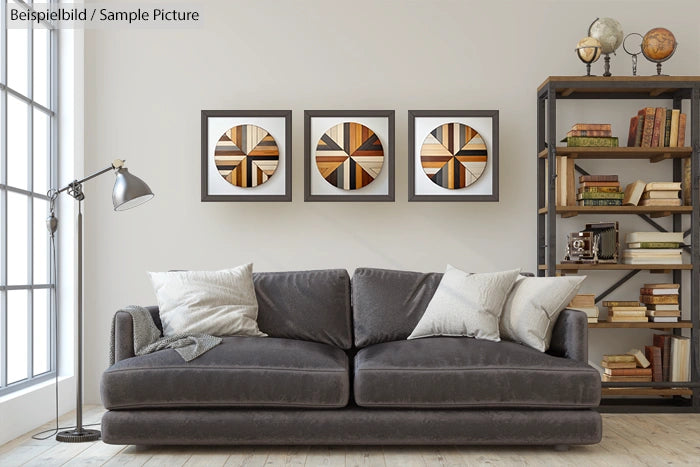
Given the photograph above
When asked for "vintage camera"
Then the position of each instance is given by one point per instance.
(597, 243)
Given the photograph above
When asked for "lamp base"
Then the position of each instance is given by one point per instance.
(78, 436)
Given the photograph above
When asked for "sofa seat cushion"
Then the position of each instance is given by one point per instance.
(240, 372)
(461, 372)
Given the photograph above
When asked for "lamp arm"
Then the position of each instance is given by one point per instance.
(117, 164)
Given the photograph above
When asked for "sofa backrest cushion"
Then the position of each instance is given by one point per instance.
(307, 305)
(388, 304)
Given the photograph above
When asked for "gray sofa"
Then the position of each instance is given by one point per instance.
(337, 369)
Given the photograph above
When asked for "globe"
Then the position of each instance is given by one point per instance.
(588, 49)
(609, 32)
(658, 44)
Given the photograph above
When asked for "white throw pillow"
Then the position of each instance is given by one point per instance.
(533, 307)
(466, 305)
(220, 303)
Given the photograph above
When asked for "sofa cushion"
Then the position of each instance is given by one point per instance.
(240, 372)
(388, 304)
(307, 305)
(461, 372)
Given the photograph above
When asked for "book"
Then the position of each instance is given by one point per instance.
(651, 186)
(662, 307)
(657, 299)
(681, 130)
(660, 202)
(628, 371)
(627, 319)
(591, 311)
(663, 319)
(617, 365)
(652, 251)
(660, 194)
(599, 189)
(619, 358)
(663, 341)
(680, 359)
(600, 195)
(662, 285)
(625, 379)
(651, 291)
(600, 202)
(664, 313)
(591, 141)
(627, 308)
(675, 116)
(632, 136)
(659, 123)
(658, 260)
(592, 126)
(648, 129)
(606, 133)
(667, 129)
(633, 193)
(610, 303)
(598, 178)
(582, 300)
(653, 354)
(686, 183)
(675, 237)
(639, 356)
(653, 245)
(640, 129)
(592, 319)
(608, 184)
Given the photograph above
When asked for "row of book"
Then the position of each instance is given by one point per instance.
(591, 135)
(653, 248)
(654, 127)
(667, 359)
(605, 190)
(599, 190)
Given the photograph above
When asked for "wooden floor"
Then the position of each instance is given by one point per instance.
(627, 440)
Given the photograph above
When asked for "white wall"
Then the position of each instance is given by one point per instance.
(145, 89)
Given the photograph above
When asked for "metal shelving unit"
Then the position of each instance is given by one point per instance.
(624, 397)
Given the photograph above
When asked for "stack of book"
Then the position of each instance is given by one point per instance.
(654, 127)
(626, 312)
(629, 367)
(661, 194)
(591, 135)
(585, 303)
(653, 248)
(599, 190)
(661, 301)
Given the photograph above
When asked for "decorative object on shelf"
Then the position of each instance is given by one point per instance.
(129, 191)
(588, 51)
(633, 50)
(658, 45)
(453, 155)
(598, 243)
(246, 155)
(348, 155)
(608, 32)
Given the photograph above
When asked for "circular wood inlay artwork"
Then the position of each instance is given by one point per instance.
(349, 156)
(246, 155)
(453, 155)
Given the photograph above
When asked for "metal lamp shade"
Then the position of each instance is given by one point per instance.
(129, 191)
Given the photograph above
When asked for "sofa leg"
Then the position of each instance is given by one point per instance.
(561, 447)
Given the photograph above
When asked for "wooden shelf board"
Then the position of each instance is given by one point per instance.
(629, 391)
(655, 211)
(648, 325)
(652, 154)
(617, 267)
(645, 85)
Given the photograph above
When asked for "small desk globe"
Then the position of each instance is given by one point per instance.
(588, 51)
(658, 45)
(609, 32)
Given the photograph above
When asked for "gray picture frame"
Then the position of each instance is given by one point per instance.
(448, 114)
(343, 195)
(287, 116)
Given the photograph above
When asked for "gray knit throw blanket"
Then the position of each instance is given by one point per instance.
(147, 337)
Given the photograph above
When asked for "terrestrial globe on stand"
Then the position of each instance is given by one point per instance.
(588, 51)
(609, 32)
(658, 45)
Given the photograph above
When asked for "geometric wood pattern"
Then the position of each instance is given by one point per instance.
(453, 155)
(349, 156)
(246, 155)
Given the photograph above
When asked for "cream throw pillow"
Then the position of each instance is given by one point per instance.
(466, 305)
(220, 303)
(533, 307)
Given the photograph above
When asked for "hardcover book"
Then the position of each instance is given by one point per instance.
(659, 123)
(663, 341)
(633, 193)
(651, 186)
(627, 319)
(605, 133)
(680, 358)
(630, 379)
(667, 129)
(597, 178)
(675, 116)
(600, 195)
(681, 130)
(631, 137)
(592, 126)
(628, 371)
(610, 303)
(648, 131)
(619, 358)
(662, 285)
(650, 291)
(653, 245)
(660, 194)
(660, 202)
(675, 237)
(632, 364)
(591, 141)
(600, 202)
(599, 189)
(653, 354)
(639, 356)
(659, 299)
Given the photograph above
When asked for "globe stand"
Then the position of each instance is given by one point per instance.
(588, 70)
(587, 58)
(607, 66)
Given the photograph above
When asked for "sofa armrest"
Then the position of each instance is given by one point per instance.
(124, 333)
(570, 336)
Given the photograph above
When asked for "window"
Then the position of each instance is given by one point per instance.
(27, 170)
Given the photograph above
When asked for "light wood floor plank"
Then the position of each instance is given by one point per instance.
(58, 454)
(325, 456)
(21, 454)
(97, 454)
(208, 456)
(407, 456)
(131, 456)
(364, 456)
(170, 456)
(247, 457)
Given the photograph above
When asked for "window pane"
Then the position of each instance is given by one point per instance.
(17, 245)
(16, 335)
(41, 65)
(17, 147)
(41, 242)
(42, 331)
(17, 59)
(42, 140)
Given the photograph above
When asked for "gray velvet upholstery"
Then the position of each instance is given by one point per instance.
(570, 336)
(458, 372)
(240, 372)
(307, 305)
(352, 426)
(388, 304)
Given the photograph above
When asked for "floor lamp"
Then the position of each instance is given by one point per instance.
(129, 191)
